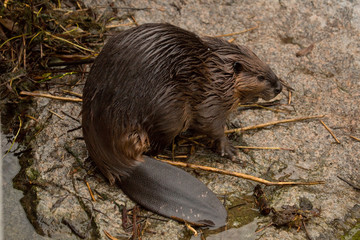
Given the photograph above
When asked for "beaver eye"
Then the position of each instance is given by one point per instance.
(261, 78)
(237, 67)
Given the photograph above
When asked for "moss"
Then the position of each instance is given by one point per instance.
(32, 174)
(353, 234)
(29, 203)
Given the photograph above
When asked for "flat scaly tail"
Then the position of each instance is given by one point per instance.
(174, 193)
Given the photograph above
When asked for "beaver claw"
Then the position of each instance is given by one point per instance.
(227, 150)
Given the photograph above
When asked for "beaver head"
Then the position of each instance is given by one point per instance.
(252, 78)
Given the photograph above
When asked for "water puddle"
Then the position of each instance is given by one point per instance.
(243, 221)
(14, 215)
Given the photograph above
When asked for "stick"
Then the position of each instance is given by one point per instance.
(191, 229)
(13, 142)
(237, 33)
(263, 107)
(272, 123)
(236, 174)
(31, 117)
(286, 85)
(119, 25)
(56, 114)
(91, 193)
(265, 148)
(179, 156)
(329, 130)
(12, 39)
(357, 139)
(231, 40)
(350, 183)
(134, 20)
(109, 236)
(71, 63)
(73, 229)
(35, 94)
(73, 93)
(263, 228)
(191, 139)
(69, 42)
(305, 51)
(289, 99)
(307, 233)
(263, 104)
(262, 125)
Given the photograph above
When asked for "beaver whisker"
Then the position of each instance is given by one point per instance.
(285, 84)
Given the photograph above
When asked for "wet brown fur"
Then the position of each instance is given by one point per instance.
(154, 81)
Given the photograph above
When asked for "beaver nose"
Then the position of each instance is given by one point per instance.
(278, 88)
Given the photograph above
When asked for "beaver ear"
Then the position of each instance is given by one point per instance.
(237, 67)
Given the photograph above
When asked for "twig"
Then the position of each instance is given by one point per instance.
(145, 226)
(265, 148)
(173, 146)
(56, 114)
(91, 193)
(109, 236)
(236, 206)
(13, 142)
(135, 9)
(74, 129)
(73, 229)
(67, 41)
(179, 156)
(31, 117)
(237, 33)
(286, 85)
(192, 139)
(35, 94)
(306, 231)
(12, 79)
(329, 130)
(305, 51)
(71, 63)
(263, 104)
(357, 139)
(24, 51)
(134, 20)
(231, 40)
(289, 99)
(8, 40)
(74, 154)
(68, 115)
(73, 93)
(263, 228)
(119, 25)
(260, 106)
(191, 229)
(261, 125)
(236, 174)
(272, 123)
(350, 183)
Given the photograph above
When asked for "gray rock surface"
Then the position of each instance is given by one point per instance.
(326, 81)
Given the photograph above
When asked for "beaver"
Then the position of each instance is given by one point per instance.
(149, 84)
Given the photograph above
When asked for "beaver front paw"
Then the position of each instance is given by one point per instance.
(226, 149)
